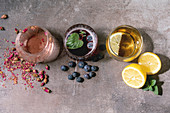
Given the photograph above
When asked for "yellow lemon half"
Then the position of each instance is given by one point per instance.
(134, 76)
(150, 62)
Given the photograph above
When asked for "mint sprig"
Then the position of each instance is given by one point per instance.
(151, 85)
(82, 32)
(73, 41)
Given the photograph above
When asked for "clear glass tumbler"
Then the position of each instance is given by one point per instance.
(36, 44)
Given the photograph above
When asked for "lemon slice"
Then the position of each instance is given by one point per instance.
(134, 76)
(150, 62)
(115, 40)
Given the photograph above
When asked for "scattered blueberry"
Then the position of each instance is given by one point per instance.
(94, 68)
(71, 64)
(102, 47)
(94, 58)
(79, 79)
(64, 68)
(92, 74)
(89, 38)
(81, 64)
(100, 56)
(87, 68)
(76, 74)
(87, 76)
(70, 77)
(97, 57)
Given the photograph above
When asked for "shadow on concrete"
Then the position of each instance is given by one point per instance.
(147, 44)
(165, 63)
(147, 41)
(102, 36)
(60, 39)
(165, 67)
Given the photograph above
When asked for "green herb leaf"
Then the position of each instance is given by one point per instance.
(145, 89)
(156, 91)
(73, 41)
(150, 88)
(153, 82)
(146, 86)
(82, 32)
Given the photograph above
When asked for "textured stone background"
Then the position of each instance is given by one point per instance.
(106, 93)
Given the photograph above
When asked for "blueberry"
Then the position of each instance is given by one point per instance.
(70, 77)
(89, 38)
(90, 45)
(102, 47)
(92, 74)
(81, 64)
(97, 57)
(72, 64)
(94, 68)
(87, 68)
(79, 79)
(100, 56)
(87, 76)
(76, 74)
(64, 68)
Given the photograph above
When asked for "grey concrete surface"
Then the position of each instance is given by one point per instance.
(106, 93)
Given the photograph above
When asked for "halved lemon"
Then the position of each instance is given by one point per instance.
(150, 62)
(134, 76)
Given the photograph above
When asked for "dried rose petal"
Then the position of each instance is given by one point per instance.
(46, 89)
(38, 79)
(21, 44)
(2, 28)
(28, 70)
(4, 16)
(16, 31)
(15, 59)
(41, 77)
(41, 72)
(11, 56)
(46, 33)
(45, 80)
(45, 76)
(13, 42)
(47, 67)
(24, 30)
(35, 75)
(15, 81)
(35, 71)
(43, 40)
(42, 84)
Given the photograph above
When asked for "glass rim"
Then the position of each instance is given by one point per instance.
(42, 51)
(131, 55)
(89, 29)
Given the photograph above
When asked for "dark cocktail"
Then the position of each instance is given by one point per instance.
(80, 42)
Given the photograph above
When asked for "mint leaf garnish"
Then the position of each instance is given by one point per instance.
(73, 41)
(156, 91)
(153, 82)
(145, 89)
(82, 32)
(150, 88)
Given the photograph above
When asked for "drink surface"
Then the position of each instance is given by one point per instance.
(80, 42)
(86, 38)
(36, 43)
(124, 43)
